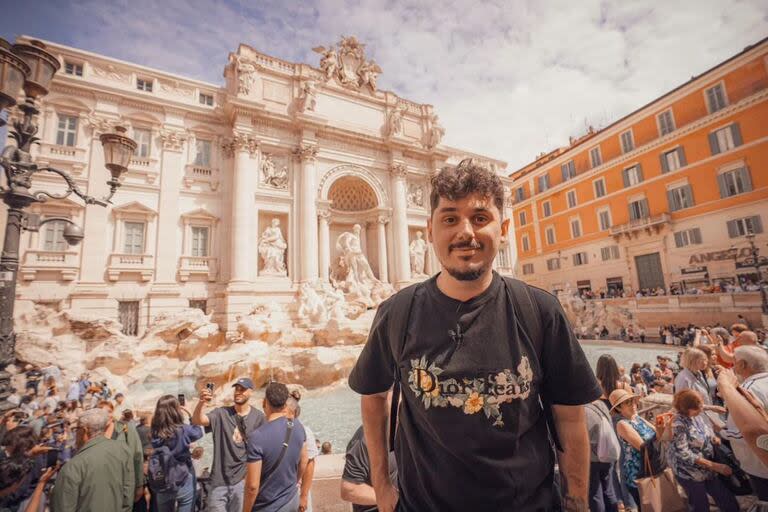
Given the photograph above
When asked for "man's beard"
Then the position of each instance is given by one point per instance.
(467, 275)
(240, 400)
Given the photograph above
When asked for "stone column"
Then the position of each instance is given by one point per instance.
(381, 222)
(243, 148)
(172, 168)
(324, 236)
(402, 265)
(308, 264)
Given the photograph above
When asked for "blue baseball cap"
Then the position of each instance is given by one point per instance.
(244, 382)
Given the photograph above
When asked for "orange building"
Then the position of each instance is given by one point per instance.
(663, 197)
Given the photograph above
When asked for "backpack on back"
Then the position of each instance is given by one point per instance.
(165, 473)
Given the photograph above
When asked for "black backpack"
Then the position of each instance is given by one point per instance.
(165, 472)
(524, 306)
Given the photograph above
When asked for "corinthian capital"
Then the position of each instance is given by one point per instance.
(239, 141)
(173, 140)
(383, 219)
(306, 152)
(398, 170)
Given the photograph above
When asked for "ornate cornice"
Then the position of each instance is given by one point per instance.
(240, 142)
(324, 213)
(99, 124)
(383, 219)
(173, 140)
(306, 152)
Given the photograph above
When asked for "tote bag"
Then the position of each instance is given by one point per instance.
(660, 493)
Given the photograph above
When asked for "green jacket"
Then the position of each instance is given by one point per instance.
(98, 478)
(128, 434)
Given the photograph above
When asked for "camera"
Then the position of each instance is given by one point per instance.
(210, 386)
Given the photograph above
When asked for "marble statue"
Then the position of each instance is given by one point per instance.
(272, 248)
(369, 72)
(308, 98)
(395, 119)
(359, 278)
(435, 133)
(245, 75)
(330, 61)
(312, 310)
(273, 175)
(418, 252)
(415, 195)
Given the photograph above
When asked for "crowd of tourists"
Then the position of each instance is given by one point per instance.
(717, 286)
(87, 451)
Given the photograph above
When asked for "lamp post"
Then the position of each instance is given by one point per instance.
(755, 255)
(31, 68)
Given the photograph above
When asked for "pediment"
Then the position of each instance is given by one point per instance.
(200, 214)
(134, 207)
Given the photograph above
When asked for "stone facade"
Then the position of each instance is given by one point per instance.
(309, 151)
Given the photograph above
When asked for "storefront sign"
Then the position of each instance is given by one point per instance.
(728, 254)
(693, 270)
(750, 262)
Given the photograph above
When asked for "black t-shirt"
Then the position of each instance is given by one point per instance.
(357, 467)
(471, 430)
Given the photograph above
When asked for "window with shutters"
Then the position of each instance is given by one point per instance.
(526, 243)
(143, 140)
(144, 84)
(734, 182)
(73, 68)
(595, 157)
(745, 226)
(680, 197)
(199, 241)
(550, 235)
(543, 183)
(632, 175)
(604, 219)
(53, 236)
(673, 160)
(522, 217)
(638, 209)
(575, 228)
(580, 258)
(666, 122)
(519, 194)
(128, 315)
(546, 209)
(553, 264)
(66, 133)
(206, 99)
(203, 154)
(609, 253)
(599, 187)
(725, 138)
(571, 197)
(133, 242)
(716, 98)
(687, 237)
(527, 268)
(568, 170)
(627, 141)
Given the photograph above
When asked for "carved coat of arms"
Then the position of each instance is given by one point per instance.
(348, 65)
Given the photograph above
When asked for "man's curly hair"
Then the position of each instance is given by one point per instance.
(466, 178)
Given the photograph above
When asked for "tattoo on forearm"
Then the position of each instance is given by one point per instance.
(574, 504)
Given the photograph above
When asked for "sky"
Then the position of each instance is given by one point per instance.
(509, 79)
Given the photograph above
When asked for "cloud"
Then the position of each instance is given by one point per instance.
(508, 78)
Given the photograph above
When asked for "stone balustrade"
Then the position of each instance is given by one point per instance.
(192, 265)
(65, 262)
(123, 263)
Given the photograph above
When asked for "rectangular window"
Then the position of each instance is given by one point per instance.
(687, 237)
(206, 99)
(680, 198)
(550, 234)
(200, 304)
(666, 123)
(66, 134)
(134, 238)
(745, 226)
(735, 182)
(546, 209)
(143, 140)
(526, 243)
(519, 194)
(609, 253)
(571, 197)
(144, 84)
(54, 236)
(627, 142)
(199, 242)
(128, 315)
(553, 264)
(203, 155)
(725, 139)
(575, 228)
(543, 183)
(599, 186)
(527, 268)
(71, 68)
(523, 220)
(672, 160)
(568, 170)
(638, 209)
(604, 217)
(632, 175)
(595, 157)
(716, 98)
(580, 258)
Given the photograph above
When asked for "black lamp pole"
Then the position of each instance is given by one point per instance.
(755, 254)
(31, 67)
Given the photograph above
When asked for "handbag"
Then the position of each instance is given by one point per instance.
(660, 493)
(738, 482)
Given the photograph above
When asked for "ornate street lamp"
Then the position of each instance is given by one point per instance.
(29, 67)
(755, 255)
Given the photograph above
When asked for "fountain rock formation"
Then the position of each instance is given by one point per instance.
(585, 315)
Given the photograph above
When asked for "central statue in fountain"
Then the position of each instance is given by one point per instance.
(353, 274)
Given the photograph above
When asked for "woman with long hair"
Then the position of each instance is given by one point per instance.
(169, 430)
(607, 373)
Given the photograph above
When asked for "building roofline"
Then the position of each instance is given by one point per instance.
(581, 140)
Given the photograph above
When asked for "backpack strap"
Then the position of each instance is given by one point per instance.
(288, 432)
(529, 318)
(397, 333)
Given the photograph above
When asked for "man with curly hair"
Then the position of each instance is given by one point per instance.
(490, 370)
